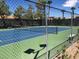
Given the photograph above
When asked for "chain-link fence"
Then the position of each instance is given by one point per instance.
(54, 52)
(32, 13)
(28, 23)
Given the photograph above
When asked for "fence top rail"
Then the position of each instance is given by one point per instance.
(54, 47)
(51, 7)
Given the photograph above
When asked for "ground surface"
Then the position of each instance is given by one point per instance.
(72, 52)
(77, 56)
(16, 50)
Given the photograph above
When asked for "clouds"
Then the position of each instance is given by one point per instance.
(70, 3)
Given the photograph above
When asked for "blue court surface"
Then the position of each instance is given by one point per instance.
(19, 34)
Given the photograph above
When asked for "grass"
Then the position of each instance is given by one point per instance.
(16, 50)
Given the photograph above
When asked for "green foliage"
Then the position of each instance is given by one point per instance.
(40, 8)
(41, 5)
(19, 12)
(4, 9)
(29, 13)
(38, 14)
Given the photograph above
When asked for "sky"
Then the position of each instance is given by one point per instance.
(62, 4)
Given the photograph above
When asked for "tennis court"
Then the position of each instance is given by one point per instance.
(15, 41)
(19, 34)
(26, 24)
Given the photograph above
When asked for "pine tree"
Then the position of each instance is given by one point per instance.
(19, 12)
(41, 8)
(29, 13)
(4, 9)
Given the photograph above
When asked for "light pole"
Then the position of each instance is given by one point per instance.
(46, 24)
(45, 4)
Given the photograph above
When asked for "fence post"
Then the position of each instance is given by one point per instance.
(78, 33)
(49, 54)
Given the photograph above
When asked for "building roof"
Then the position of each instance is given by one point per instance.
(9, 17)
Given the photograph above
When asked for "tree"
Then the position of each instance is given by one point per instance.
(19, 12)
(40, 4)
(4, 9)
(41, 8)
(38, 14)
(29, 13)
